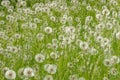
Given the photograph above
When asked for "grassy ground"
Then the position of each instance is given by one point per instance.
(84, 63)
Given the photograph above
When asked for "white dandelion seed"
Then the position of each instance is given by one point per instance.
(109, 26)
(46, 66)
(28, 72)
(48, 77)
(13, 49)
(23, 3)
(99, 17)
(70, 65)
(49, 45)
(5, 69)
(106, 41)
(52, 18)
(115, 3)
(105, 78)
(113, 71)
(10, 74)
(115, 59)
(40, 36)
(17, 36)
(107, 62)
(36, 20)
(5, 3)
(70, 18)
(51, 68)
(55, 46)
(106, 12)
(33, 25)
(88, 7)
(39, 58)
(84, 45)
(99, 39)
(54, 41)
(48, 30)
(53, 55)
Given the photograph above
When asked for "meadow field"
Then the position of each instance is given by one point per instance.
(59, 39)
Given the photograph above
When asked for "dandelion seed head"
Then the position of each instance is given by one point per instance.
(28, 72)
(48, 77)
(113, 71)
(51, 68)
(39, 58)
(10, 74)
(84, 45)
(105, 78)
(48, 30)
(107, 62)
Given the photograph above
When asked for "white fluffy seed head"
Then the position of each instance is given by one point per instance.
(99, 17)
(5, 69)
(106, 41)
(106, 12)
(10, 74)
(23, 3)
(115, 59)
(48, 77)
(39, 58)
(33, 25)
(113, 71)
(28, 72)
(99, 39)
(109, 26)
(40, 36)
(69, 29)
(46, 66)
(107, 62)
(83, 45)
(53, 55)
(5, 3)
(48, 30)
(17, 36)
(105, 78)
(50, 68)
(36, 20)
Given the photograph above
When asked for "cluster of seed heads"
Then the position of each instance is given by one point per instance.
(60, 40)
